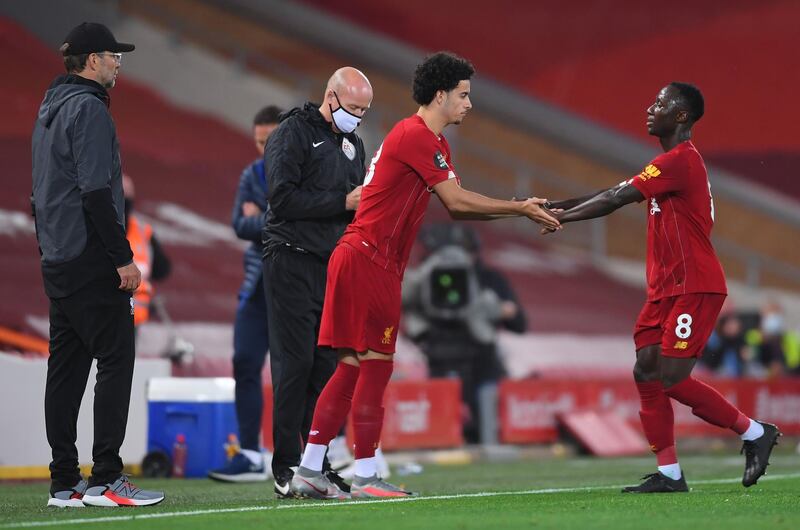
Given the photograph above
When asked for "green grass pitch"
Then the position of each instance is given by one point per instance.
(563, 493)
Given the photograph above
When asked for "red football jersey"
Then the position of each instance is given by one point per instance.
(680, 257)
(397, 189)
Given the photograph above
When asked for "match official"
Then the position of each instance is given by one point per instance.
(314, 164)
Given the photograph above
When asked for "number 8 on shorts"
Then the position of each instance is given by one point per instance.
(684, 328)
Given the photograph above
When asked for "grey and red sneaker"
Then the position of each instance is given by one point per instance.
(121, 492)
(374, 487)
(308, 484)
(70, 497)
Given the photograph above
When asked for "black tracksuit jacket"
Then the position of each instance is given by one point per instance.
(310, 169)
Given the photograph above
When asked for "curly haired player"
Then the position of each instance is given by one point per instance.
(362, 300)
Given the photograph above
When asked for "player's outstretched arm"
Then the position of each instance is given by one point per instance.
(602, 204)
(571, 203)
(468, 205)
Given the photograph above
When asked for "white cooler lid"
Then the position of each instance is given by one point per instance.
(193, 389)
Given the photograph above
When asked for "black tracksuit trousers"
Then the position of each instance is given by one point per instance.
(95, 322)
(294, 284)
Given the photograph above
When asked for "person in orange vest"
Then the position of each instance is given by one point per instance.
(148, 254)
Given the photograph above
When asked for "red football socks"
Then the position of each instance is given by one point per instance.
(742, 424)
(333, 404)
(368, 406)
(708, 404)
(657, 421)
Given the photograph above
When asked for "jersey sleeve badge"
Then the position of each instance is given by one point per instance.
(651, 171)
(439, 161)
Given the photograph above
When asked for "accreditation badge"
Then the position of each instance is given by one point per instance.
(348, 149)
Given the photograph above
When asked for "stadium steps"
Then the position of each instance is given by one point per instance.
(515, 154)
(173, 164)
(164, 152)
(736, 51)
(176, 157)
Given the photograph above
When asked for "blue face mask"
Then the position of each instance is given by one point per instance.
(343, 120)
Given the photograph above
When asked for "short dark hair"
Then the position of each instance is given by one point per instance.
(267, 116)
(693, 99)
(74, 63)
(440, 71)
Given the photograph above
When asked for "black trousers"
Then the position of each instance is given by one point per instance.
(294, 285)
(93, 323)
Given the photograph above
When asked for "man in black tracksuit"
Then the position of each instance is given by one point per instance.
(314, 164)
(87, 268)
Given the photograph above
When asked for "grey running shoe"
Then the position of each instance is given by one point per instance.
(659, 483)
(374, 487)
(68, 498)
(121, 492)
(308, 484)
(757, 453)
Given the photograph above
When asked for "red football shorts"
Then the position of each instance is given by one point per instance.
(362, 303)
(680, 324)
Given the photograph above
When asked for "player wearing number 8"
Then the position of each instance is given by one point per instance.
(685, 290)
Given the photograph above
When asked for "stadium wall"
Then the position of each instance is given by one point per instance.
(24, 452)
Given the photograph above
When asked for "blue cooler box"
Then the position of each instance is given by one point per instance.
(200, 408)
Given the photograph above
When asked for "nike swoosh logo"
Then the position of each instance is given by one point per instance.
(283, 490)
(322, 492)
(317, 144)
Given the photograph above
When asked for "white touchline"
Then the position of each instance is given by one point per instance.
(333, 504)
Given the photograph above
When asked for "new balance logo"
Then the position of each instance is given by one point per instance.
(317, 144)
(127, 490)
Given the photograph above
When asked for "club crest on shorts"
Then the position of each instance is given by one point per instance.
(387, 335)
(132, 304)
(348, 149)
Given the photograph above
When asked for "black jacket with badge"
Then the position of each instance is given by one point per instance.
(310, 170)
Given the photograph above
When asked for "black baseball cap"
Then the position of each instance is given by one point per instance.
(91, 37)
